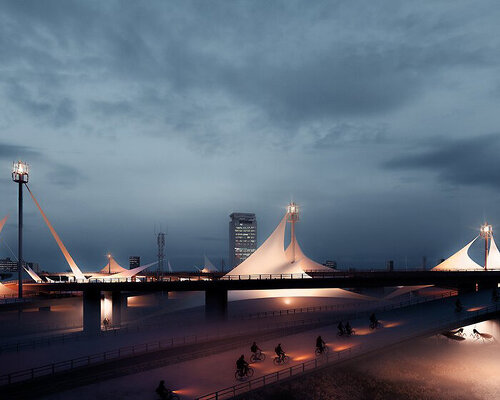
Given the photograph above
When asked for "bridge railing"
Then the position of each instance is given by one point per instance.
(332, 358)
(153, 346)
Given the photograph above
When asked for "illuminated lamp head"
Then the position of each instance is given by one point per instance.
(292, 211)
(486, 230)
(20, 172)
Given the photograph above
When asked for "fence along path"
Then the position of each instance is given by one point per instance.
(333, 358)
(154, 346)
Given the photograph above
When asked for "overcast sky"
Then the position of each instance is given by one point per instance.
(380, 118)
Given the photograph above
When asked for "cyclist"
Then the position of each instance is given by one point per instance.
(242, 365)
(373, 321)
(255, 350)
(341, 329)
(162, 391)
(279, 352)
(320, 344)
(348, 328)
(458, 305)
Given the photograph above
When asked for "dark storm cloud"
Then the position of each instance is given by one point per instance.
(154, 109)
(467, 161)
(7, 151)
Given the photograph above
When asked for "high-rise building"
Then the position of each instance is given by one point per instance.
(242, 237)
(134, 262)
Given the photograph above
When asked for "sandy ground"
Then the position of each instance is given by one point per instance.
(433, 368)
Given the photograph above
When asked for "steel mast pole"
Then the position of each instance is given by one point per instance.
(20, 242)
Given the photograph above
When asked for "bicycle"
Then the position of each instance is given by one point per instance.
(257, 356)
(321, 350)
(241, 374)
(279, 360)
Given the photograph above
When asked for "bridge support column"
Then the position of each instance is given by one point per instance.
(216, 304)
(92, 311)
(483, 285)
(466, 288)
(116, 308)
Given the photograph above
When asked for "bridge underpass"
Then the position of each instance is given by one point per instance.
(216, 290)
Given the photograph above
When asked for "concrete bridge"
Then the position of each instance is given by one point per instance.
(216, 287)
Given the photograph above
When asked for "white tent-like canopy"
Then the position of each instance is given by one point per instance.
(272, 259)
(208, 266)
(112, 267)
(460, 261)
(493, 261)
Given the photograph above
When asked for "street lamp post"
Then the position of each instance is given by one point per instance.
(109, 263)
(20, 175)
(486, 232)
(292, 212)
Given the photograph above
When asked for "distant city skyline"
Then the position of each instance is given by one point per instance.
(380, 120)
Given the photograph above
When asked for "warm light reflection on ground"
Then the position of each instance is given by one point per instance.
(342, 347)
(301, 357)
(287, 301)
(363, 331)
(391, 324)
(475, 308)
(185, 391)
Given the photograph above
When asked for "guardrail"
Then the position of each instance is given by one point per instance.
(320, 274)
(127, 351)
(327, 360)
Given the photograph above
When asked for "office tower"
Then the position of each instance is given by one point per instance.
(242, 237)
(134, 262)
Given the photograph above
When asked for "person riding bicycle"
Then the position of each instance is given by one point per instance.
(373, 320)
(255, 349)
(279, 352)
(242, 365)
(341, 328)
(458, 305)
(348, 328)
(320, 344)
(162, 391)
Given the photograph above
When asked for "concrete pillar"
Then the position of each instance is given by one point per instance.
(466, 288)
(92, 311)
(483, 285)
(116, 312)
(216, 304)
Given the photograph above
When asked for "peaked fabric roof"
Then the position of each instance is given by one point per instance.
(113, 266)
(459, 261)
(208, 266)
(304, 262)
(271, 258)
(493, 256)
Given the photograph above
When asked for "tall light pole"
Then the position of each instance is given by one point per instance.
(292, 216)
(109, 263)
(486, 232)
(20, 172)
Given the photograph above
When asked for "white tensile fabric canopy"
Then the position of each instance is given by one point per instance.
(33, 274)
(271, 258)
(208, 266)
(112, 266)
(460, 261)
(493, 256)
(129, 273)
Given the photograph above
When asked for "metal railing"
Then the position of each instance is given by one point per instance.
(330, 359)
(127, 351)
